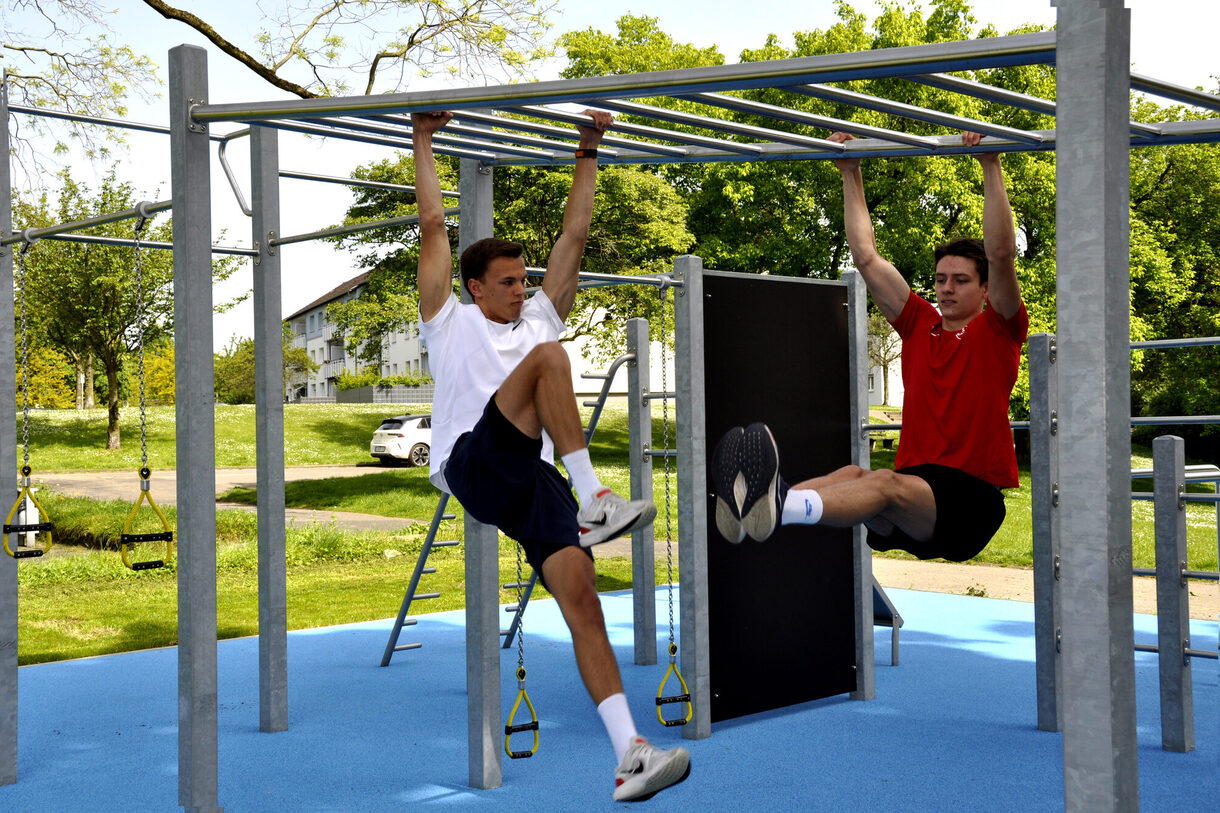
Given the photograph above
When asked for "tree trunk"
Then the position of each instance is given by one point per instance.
(80, 383)
(112, 403)
(89, 397)
(885, 385)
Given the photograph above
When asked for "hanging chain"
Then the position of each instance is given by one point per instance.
(669, 553)
(25, 359)
(140, 222)
(520, 620)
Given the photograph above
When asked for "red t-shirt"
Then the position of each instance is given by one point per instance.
(955, 407)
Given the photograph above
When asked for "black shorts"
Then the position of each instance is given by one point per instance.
(968, 513)
(497, 475)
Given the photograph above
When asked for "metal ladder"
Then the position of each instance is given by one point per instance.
(421, 568)
(517, 610)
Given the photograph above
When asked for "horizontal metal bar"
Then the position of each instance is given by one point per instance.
(1176, 420)
(917, 113)
(142, 209)
(366, 138)
(393, 187)
(1022, 101)
(608, 140)
(398, 127)
(487, 132)
(810, 119)
(118, 124)
(1147, 648)
(658, 281)
(1019, 49)
(1161, 344)
(661, 452)
(1189, 497)
(1195, 473)
(153, 244)
(1168, 90)
(1202, 575)
(643, 130)
(355, 228)
(658, 396)
(721, 125)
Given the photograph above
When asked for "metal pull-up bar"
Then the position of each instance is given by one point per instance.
(405, 220)
(141, 209)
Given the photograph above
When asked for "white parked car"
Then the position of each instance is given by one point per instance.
(407, 437)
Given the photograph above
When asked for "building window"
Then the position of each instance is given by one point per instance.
(871, 383)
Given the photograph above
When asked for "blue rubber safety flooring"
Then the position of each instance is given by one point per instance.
(952, 728)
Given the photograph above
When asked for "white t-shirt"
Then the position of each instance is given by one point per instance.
(470, 356)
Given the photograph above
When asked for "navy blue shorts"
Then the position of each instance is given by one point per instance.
(496, 473)
(968, 513)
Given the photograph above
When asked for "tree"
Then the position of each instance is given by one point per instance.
(82, 297)
(234, 368)
(395, 39)
(884, 348)
(159, 373)
(62, 55)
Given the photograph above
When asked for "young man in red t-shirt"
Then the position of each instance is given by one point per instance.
(958, 370)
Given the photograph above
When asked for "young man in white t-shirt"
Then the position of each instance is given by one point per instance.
(503, 396)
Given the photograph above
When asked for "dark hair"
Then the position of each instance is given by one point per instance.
(479, 254)
(969, 247)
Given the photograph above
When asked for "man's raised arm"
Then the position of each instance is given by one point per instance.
(890, 291)
(999, 235)
(563, 266)
(435, 260)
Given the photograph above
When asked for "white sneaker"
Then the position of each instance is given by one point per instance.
(609, 516)
(646, 769)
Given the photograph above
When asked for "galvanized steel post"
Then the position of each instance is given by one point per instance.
(8, 454)
(1100, 763)
(1044, 499)
(692, 493)
(482, 553)
(1172, 601)
(639, 443)
(196, 433)
(862, 555)
(269, 433)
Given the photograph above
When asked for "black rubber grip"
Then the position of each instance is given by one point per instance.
(672, 723)
(21, 529)
(513, 729)
(152, 564)
(162, 536)
(27, 554)
(677, 698)
(520, 754)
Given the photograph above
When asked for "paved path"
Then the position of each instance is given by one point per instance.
(941, 577)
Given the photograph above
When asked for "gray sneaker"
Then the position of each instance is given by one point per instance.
(646, 769)
(729, 485)
(608, 516)
(763, 504)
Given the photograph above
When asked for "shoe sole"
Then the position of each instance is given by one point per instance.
(729, 485)
(660, 780)
(760, 467)
(596, 536)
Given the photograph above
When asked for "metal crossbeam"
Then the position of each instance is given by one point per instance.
(867, 102)
(720, 125)
(810, 119)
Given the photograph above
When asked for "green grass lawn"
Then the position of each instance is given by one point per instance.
(86, 603)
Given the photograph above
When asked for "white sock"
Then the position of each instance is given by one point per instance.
(580, 469)
(802, 508)
(616, 716)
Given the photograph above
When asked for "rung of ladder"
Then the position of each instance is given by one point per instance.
(401, 647)
(514, 585)
(422, 596)
(448, 516)
(591, 403)
(594, 376)
(445, 543)
(427, 570)
(511, 609)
